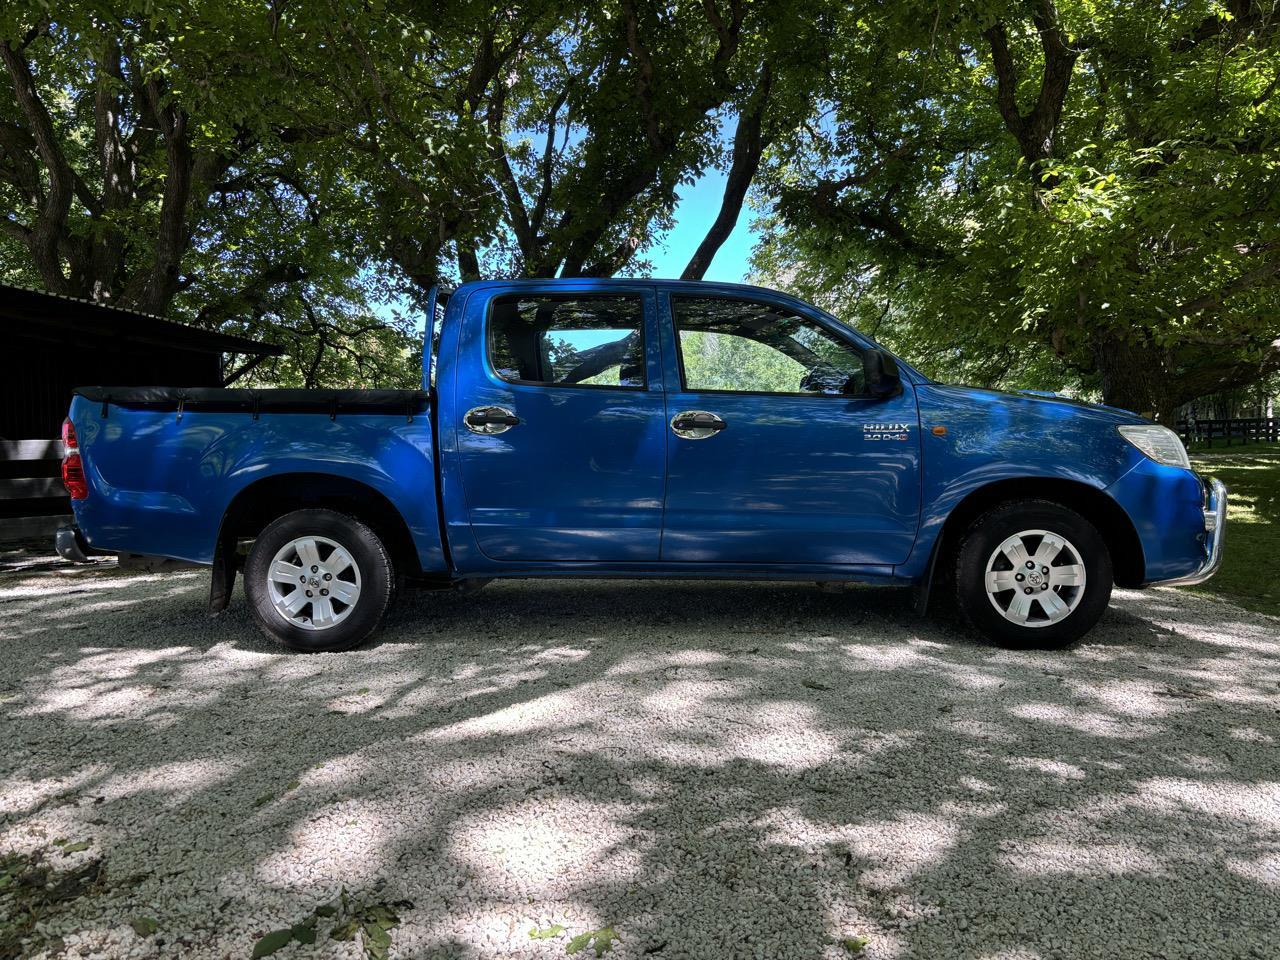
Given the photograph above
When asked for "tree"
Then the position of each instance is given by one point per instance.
(1039, 191)
(191, 161)
(594, 116)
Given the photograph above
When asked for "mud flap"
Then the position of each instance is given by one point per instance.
(922, 589)
(224, 576)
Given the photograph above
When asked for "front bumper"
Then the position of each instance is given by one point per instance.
(1215, 531)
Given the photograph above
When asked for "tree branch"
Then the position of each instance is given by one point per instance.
(748, 145)
(52, 216)
(1216, 300)
(517, 215)
(1035, 131)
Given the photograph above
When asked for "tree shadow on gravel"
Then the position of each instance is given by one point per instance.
(714, 769)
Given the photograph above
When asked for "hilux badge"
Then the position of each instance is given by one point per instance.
(886, 431)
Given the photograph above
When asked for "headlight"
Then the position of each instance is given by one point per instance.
(1159, 443)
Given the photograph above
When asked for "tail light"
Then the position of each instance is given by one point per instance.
(72, 466)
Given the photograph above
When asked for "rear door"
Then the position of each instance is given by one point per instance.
(774, 454)
(559, 423)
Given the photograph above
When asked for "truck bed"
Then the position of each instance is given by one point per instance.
(248, 400)
(166, 464)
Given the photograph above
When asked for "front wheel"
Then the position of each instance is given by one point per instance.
(318, 580)
(1033, 574)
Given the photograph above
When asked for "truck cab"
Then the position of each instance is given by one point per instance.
(649, 429)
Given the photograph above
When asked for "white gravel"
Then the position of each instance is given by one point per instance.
(712, 769)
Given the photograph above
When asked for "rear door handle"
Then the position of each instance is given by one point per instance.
(696, 424)
(488, 421)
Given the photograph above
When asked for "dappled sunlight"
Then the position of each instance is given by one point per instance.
(1246, 803)
(1128, 698)
(1080, 859)
(169, 784)
(899, 848)
(1048, 767)
(535, 847)
(785, 739)
(659, 758)
(1264, 869)
(346, 843)
(1092, 722)
(24, 795)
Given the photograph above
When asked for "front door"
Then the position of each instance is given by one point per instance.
(775, 454)
(560, 425)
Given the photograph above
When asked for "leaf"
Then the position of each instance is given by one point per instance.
(345, 931)
(76, 847)
(305, 932)
(814, 685)
(549, 933)
(272, 942)
(292, 785)
(578, 942)
(263, 800)
(854, 944)
(326, 910)
(144, 926)
(605, 937)
(377, 942)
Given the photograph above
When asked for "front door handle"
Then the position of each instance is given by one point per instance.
(696, 424)
(488, 421)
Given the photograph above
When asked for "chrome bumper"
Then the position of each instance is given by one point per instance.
(1215, 528)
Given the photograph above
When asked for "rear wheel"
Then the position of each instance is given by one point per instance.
(319, 580)
(1033, 574)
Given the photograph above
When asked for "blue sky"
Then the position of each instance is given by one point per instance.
(698, 206)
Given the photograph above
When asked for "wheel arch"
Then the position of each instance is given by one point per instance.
(263, 501)
(1110, 519)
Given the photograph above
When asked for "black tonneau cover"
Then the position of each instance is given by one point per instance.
(245, 400)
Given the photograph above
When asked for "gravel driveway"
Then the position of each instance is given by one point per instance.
(708, 769)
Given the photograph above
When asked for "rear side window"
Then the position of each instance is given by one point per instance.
(568, 341)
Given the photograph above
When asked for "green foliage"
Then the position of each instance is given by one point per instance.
(546, 933)
(189, 162)
(1131, 248)
(1252, 474)
(1079, 194)
(714, 361)
(601, 941)
(271, 942)
(144, 926)
(371, 922)
(32, 891)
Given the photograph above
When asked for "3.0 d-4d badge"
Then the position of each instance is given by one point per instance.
(886, 431)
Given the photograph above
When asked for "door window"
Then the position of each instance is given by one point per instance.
(568, 341)
(745, 347)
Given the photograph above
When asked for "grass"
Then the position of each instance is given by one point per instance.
(1236, 446)
(1250, 574)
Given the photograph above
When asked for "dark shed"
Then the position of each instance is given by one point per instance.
(50, 345)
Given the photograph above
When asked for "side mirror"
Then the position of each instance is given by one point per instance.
(882, 377)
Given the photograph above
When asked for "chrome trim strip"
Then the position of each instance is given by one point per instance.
(1215, 525)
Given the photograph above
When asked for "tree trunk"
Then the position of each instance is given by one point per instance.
(1134, 378)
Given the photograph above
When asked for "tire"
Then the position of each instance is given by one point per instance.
(1060, 606)
(341, 559)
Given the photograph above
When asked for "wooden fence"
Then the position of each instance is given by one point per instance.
(1245, 430)
(33, 502)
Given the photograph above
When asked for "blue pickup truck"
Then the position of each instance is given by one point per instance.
(634, 428)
